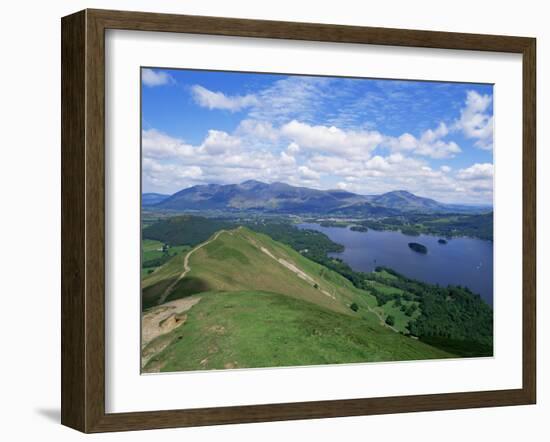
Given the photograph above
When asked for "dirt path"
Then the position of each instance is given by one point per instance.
(187, 267)
(162, 320)
(156, 321)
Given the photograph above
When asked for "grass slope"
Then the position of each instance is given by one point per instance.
(259, 329)
(243, 260)
(154, 284)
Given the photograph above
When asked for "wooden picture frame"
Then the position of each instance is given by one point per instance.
(83, 220)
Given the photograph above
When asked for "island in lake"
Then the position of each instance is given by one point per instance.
(419, 248)
(442, 241)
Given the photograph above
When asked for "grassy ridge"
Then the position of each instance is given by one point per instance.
(235, 262)
(259, 329)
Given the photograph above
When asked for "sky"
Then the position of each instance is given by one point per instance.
(368, 136)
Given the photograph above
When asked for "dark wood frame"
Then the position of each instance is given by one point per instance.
(83, 220)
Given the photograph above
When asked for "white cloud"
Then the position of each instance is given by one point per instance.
(396, 171)
(308, 174)
(342, 185)
(377, 163)
(169, 165)
(405, 142)
(152, 78)
(429, 144)
(475, 120)
(293, 148)
(257, 130)
(162, 175)
(218, 142)
(331, 139)
(295, 97)
(330, 163)
(156, 144)
(483, 171)
(287, 159)
(218, 100)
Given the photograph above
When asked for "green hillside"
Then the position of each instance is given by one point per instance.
(242, 260)
(259, 329)
(264, 304)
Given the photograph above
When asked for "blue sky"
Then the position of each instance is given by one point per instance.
(368, 136)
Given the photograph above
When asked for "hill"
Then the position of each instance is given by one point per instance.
(407, 202)
(243, 260)
(283, 198)
(261, 278)
(260, 329)
(150, 199)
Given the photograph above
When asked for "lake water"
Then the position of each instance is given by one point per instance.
(462, 261)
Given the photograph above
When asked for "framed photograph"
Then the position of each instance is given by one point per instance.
(270, 220)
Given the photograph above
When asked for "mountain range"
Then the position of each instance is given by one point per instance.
(280, 197)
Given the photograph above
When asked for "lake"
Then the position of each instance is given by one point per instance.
(462, 261)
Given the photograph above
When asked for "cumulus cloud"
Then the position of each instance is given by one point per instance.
(257, 129)
(218, 100)
(476, 172)
(218, 142)
(152, 78)
(170, 164)
(331, 139)
(331, 164)
(343, 185)
(157, 144)
(293, 148)
(308, 174)
(287, 159)
(476, 120)
(398, 171)
(430, 143)
(377, 163)
(166, 175)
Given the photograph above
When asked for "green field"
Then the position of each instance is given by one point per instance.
(156, 253)
(265, 304)
(259, 329)
(235, 261)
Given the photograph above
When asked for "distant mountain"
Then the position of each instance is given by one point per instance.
(407, 202)
(255, 195)
(284, 198)
(149, 199)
